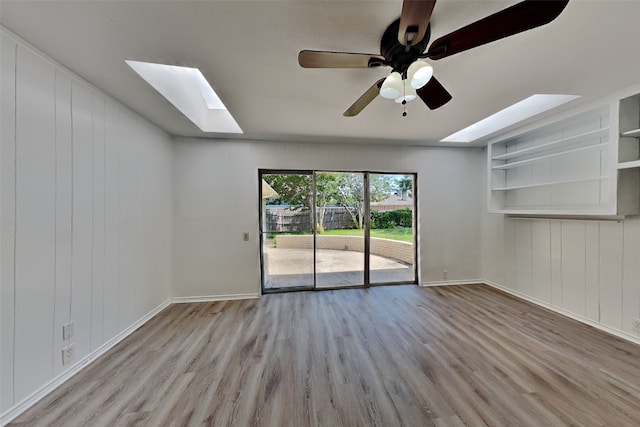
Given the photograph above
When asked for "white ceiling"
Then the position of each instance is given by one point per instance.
(248, 52)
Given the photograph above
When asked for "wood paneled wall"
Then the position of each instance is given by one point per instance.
(86, 218)
(588, 268)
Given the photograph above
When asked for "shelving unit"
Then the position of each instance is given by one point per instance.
(512, 165)
(550, 145)
(629, 151)
(545, 184)
(629, 165)
(585, 163)
(629, 144)
(634, 133)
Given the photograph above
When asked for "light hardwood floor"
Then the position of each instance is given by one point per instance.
(387, 356)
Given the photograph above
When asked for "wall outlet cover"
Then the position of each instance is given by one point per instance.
(635, 325)
(67, 331)
(67, 355)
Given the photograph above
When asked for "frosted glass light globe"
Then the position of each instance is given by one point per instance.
(408, 95)
(392, 86)
(419, 73)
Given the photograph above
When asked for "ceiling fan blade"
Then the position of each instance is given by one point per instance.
(512, 20)
(433, 94)
(364, 100)
(323, 59)
(414, 21)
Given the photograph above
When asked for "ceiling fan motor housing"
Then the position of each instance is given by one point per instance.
(398, 56)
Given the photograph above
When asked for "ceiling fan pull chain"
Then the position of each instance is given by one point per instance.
(404, 96)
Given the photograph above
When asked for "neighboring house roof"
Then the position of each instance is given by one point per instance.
(268, 192)
(394, 200)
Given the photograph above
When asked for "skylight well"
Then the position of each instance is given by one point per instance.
(188, 91)
(513, 114)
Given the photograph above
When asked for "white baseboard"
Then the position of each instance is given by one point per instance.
(452, 283)
(209, 298)
(57, 381)
(618, 333)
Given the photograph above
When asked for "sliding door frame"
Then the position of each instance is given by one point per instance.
(261, 231)
(366, 223)
(414, 222)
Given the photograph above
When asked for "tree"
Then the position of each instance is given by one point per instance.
(350, 193)
(296, 192)
(332, 188)
(326, 188)
(404, 186)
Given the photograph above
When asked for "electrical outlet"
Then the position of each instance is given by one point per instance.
(445, 275)
(67, 354)
(245, 236)
(67, 331)
(635, 325)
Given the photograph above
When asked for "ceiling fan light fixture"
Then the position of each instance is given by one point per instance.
(392, 86)
(419, 73)
(408, 95)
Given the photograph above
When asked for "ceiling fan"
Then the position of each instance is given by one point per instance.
(404, 42)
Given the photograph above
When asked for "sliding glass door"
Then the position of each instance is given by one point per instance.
(392, 234)
(287, 231)
(340, 201)
(329, 230)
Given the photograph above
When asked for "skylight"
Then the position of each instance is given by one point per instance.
(517, 112)
(188, 91)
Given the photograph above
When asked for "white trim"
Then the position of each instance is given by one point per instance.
(209, 298)
(57, 381)
(452, 283)
(618, 333)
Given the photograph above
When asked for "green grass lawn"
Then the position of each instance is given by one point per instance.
(402, 234)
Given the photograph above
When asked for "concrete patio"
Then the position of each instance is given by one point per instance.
(286, 268)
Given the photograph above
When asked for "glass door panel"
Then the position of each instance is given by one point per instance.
(340, 204)
(287, 231)
(392, 230)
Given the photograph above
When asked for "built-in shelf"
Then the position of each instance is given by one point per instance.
(580, 163)
(543, 147)
(546, 184)
(629, 165)
(548, 156)
(635, 133)
(629, 142)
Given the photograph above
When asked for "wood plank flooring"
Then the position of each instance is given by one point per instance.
(387, 356)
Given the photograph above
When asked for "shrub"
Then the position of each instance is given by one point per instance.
(391, 219)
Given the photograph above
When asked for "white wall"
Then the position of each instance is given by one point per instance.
(216, 199)
(588, 268)
(86, 218)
